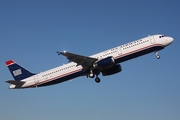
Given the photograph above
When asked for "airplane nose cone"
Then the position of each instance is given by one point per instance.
(169, 40)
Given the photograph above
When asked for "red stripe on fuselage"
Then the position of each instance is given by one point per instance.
(122, 55)
(119, 56)
(51, 79)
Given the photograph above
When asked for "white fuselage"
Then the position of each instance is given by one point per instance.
(120, 54)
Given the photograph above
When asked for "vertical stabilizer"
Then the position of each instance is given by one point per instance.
(18, 72)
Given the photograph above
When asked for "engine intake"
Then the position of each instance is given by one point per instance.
(104, 62)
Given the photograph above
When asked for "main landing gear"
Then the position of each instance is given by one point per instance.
(97, 80)
(157, 55)
(92, 75)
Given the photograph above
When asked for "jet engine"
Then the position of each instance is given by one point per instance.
(112, 70)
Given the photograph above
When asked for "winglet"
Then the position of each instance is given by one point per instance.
(9, 62)
(58, 52)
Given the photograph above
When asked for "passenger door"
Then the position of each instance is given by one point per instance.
(152, 39)
(36, 81)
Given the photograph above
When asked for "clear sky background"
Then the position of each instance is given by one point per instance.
(32, 31)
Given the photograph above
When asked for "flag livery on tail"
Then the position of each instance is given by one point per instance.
(105, 63)
(18, 72)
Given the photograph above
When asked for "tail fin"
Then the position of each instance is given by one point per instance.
(17, 71)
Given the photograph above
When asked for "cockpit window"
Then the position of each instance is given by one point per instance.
(161, 36)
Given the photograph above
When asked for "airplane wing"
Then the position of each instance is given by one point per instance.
(84, 61)
(18, 83)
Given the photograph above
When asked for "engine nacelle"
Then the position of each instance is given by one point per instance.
(112, 70)
(104, 62)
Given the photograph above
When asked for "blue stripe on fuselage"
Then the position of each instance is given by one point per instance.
(63, 79)
(118, 59)
(137, 54)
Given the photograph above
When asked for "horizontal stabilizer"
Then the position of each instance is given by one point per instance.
(17, 83)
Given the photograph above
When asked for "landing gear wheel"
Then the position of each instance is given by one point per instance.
(97, 80)
(91, 75)
(158, 57)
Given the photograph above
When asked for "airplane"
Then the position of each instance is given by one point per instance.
(106, 62)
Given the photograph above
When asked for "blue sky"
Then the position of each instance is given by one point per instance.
(32, 31)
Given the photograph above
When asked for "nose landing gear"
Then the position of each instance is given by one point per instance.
(157, 55)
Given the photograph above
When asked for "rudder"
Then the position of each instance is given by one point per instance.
(17, 71)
